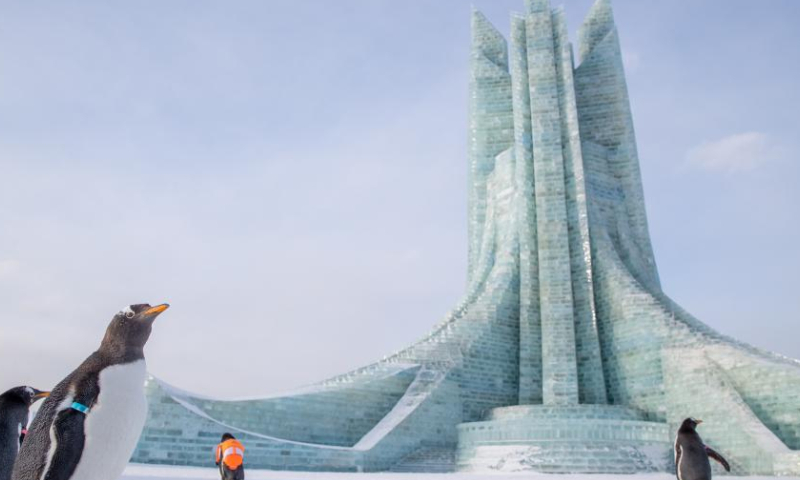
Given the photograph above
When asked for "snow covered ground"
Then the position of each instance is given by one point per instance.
(153, 472)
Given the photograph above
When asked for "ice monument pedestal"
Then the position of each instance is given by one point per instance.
(564, 353)
(578, 439)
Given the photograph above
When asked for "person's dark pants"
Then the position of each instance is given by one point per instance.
(228, 474)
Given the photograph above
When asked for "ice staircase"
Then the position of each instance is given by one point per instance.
(563, 439)
(428, 460)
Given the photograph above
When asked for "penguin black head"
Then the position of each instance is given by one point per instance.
(130, 329)
(24, 395)
(690, 424)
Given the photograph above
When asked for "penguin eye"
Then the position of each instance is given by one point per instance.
(129, 314)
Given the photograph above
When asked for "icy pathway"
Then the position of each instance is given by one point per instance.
(153, 472)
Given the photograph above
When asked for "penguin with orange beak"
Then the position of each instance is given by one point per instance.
(88, 428)
(14, 407)
(692, 455)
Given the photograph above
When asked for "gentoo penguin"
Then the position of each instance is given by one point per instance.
(14, 405)
(88, 427)
(691, 454)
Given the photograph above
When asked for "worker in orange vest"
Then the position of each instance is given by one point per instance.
(230, 458)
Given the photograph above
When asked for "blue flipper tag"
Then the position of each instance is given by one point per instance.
(80, 407)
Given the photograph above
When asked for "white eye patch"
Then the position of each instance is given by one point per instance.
(30, 391)
(127, 312)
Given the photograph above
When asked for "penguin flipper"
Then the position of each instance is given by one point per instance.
(678, 452)
(719, 458)
(68, 433)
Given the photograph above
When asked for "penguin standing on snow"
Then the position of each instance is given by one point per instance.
(14, 405)
(88, 428)
(691, 454)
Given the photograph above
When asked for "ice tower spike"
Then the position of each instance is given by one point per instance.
(607, 123)
(488, 40)
(530, 326)
(559, 367)
(537, 6)
(591, 381)
(596, 25)
(490, 123)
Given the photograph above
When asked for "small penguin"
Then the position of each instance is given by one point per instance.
(14, 405)
(88, 428)
(691, 454)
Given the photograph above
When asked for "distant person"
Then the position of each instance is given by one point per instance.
(230, 458)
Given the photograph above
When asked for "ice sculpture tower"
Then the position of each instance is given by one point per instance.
(564, 354)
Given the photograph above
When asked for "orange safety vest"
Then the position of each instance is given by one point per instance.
(231, 453)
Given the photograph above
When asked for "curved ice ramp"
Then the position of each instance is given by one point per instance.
(308, 415)
(182, 433)
(179, 433)
(749, 406)
(665, 362)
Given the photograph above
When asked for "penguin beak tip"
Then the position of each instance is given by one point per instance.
(41, 395)
(152, 311)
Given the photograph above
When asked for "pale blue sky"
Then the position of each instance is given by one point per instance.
(291, 175)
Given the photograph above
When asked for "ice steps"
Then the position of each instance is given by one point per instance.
(428, 460)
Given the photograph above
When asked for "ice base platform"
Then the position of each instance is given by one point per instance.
(563, 439)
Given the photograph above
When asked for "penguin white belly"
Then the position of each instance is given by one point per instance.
(114, 423)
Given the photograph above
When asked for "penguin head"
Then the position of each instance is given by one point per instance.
(130, 328)
(690, 424)
(25, 395)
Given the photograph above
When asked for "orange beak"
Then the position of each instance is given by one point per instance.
(698, 421)
(41, 395)
(156, 310)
